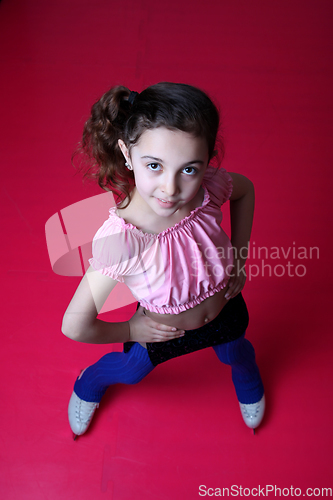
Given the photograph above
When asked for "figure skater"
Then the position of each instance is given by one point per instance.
(163, 239)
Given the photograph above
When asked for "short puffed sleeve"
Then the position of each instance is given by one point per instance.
(219, 185)
(114, 251)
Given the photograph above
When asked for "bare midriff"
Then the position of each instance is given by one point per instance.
(193, 318)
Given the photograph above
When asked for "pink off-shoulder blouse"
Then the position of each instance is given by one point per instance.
(178, 268)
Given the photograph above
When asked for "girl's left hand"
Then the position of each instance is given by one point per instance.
(237, 280)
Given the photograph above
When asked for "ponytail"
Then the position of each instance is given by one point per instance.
(104, 161)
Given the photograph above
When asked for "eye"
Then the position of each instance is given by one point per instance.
(190, 170)
(155, 167)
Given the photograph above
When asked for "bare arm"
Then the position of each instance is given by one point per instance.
(241, 217)
(80, 321)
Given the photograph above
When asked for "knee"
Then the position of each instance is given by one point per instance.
(134, 379)
(235, 351)
(241, 352)
(221, 353)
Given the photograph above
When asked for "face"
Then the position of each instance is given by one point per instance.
(168, 169)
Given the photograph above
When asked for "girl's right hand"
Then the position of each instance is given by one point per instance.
(144, 329)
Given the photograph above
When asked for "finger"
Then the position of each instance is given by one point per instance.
(165, 336)
(165, 339)
(174, 335)
(233, 289)
(170, 335)
(164, 328)
(234, 293)
(236, 290)
(229, 291)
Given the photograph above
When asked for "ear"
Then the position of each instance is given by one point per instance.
(124, 150)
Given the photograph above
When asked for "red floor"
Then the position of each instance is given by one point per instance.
(268, 66)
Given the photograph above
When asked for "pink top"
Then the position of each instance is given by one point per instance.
(178, 268)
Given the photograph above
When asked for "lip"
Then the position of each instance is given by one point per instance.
(165, 203)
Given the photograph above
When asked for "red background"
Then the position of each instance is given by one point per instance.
(268, 66)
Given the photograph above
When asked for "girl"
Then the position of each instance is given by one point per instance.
(164, 241)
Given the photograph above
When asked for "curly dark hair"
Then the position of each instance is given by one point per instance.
(176, 106)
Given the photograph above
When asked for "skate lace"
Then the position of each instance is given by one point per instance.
(85, 410)
(250, 410)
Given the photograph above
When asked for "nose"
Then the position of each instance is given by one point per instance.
(169, 185)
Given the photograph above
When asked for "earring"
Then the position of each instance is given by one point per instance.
(127, 165)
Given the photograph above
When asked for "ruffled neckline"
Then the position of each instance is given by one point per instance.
(169, 230)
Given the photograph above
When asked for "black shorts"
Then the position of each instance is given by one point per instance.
(229, 325)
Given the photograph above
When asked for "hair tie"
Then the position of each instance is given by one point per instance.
(132, 96)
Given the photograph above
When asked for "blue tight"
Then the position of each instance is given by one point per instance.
(133, 366)
(239, 354)
(113, 368)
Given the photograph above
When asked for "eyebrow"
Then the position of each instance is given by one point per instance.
(161, 161)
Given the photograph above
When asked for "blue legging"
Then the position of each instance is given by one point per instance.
(133, 366)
